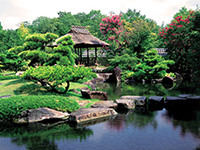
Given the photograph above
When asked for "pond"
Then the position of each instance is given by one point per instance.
(138, 129)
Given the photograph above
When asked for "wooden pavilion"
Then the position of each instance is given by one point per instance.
(84, 40)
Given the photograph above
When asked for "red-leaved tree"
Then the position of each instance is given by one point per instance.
(112, 28)
(177, 37)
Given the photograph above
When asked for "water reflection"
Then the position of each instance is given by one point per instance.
(38, 136)
(187, 120)
(180, 129)
(138, 118)
(116, 90)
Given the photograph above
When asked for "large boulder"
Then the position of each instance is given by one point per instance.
(104, 104)
(117, 73)
(94, 95)
(40, 114)
(125, 104)
(89, 114)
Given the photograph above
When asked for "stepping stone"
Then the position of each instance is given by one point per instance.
(89, 114)
(155, 103)
(5, 96)
(193, 97)
(172, 102)
(125, 103)
(138, 100)
(104, 104)
(185, 95)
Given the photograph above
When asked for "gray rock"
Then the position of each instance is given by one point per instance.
(104, 104)
(89, 114)
(125, 103)
(116, 75)
(138, 100)
(105, 76)
(94, 95)
(40, 114)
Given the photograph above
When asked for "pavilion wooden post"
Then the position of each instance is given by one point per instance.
(81, 54)
(77, 59)
(88, 58)
(95, 55)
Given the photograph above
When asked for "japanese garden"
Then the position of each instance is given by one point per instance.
(96, 81)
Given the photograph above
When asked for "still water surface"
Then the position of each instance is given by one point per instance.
(139, 129)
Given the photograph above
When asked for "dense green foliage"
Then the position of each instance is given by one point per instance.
(152, 66)
(13, 106)
(33, 49)
(52, 77)
(63, 54)
(141, 36)
(11, 61)
(125, 62)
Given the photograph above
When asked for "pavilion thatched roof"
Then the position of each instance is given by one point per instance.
(83, 39)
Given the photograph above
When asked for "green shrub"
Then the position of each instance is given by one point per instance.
(13, 106)
(127, 75)
(152, 66)
(125, 62)
(55, 76)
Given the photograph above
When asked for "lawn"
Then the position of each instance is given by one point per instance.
(22, 87)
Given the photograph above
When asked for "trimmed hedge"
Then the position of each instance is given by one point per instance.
(13, 106)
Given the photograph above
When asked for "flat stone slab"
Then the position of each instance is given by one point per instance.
(156, 100)
(138, 100)
(125, 103)
(89, 114)
(174, 99)
(104, 104)
(40, 114)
